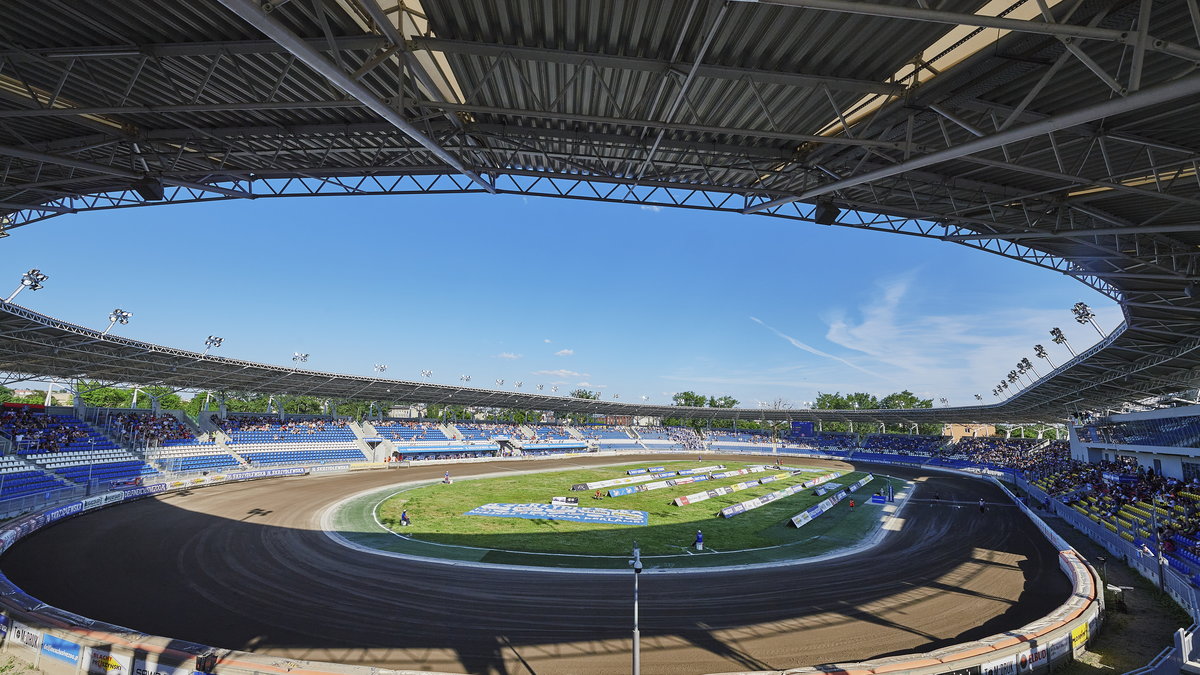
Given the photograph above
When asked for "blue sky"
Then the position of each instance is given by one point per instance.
(629, 300)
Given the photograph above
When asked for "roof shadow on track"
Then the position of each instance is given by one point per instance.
(237, 567)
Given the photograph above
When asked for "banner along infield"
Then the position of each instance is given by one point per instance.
(439, 528)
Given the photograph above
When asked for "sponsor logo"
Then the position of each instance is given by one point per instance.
(558, 512)
(25, 635)
(1004, 666)
(103, 662)
(1060, 647)
(1036, 657)
(64, 511)
(58, 648)
(332, 468)
(1079, 638)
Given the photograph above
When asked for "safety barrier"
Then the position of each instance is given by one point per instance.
(58, 642)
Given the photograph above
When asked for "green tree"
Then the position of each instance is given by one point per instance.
(690, 399)
(722, 402)
(6, 395)
(584, 393)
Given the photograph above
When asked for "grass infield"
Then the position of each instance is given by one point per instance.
(437, 515)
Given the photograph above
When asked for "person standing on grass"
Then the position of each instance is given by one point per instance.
(699, 543)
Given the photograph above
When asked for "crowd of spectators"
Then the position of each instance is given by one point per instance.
(491, 430)
(37, 432)
(903, 444)
(1022, 454)
(149, 430)
(271, 423)
(426, 431)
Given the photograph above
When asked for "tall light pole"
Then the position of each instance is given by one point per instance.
(297, 357)
(380, 367)
(1028, 365)
(427, 374)
(117, 316)
(212, 343)
(1084, 315)
(1057, 336)
(464, 378)
(1040, 352)
(32, 280)
(637, 635)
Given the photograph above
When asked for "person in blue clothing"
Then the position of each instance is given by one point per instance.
(699, 544)
(404, 518)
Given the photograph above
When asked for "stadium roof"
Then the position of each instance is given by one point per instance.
(1055, 132)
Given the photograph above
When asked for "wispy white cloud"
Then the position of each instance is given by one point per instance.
(565, 352)
(508, 355)
(650, 207)
(560, 373)
(590, 385)
(547, 340)
(810, 349)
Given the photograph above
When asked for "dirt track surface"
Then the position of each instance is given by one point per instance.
(246, 567)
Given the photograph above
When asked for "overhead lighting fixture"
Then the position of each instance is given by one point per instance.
(32, 280)
(212, 342)
(1056, 335)
(427, 374)
(381, 367)
(117, 316)
(299, 358)
(465, 378)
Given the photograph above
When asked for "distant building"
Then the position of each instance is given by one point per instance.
(957, 431)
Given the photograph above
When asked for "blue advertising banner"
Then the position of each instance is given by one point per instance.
(802, 430)
(556, 512)
(58, 648)
(635, 472)
(269, 473)
(657, 468)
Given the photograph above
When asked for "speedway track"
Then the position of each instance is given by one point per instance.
(246, 566)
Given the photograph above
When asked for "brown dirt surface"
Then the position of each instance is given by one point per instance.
(246, 566)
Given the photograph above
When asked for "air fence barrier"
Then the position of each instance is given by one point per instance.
(58, 642)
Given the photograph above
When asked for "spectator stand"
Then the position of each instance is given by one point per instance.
(740, 440)
(670, 438)
(66, 449)
(268, 440)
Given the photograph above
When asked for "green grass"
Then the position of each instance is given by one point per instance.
(437, 515)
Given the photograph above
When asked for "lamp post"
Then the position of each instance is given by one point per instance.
(32, 280)
(297, 357)
(637, 636)
(464, 378)
(212, 343)
(427, 374)
(1057, 336)
(1028, 365)
(1084, 315)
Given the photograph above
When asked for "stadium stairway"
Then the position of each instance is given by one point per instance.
(575, 433)
(363, 431)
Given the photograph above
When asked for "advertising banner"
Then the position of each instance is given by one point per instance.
(703, 469)
(329, 468)
(25, 636)
(102, 661)
(636, 472)
(64, 511)
(1004, 666)
(657, 468)
(143, 491)
(554, 512)
(569, 501)
(596, 485)
(617, 492)
(1035, 657)
(4, 623)
(63, 650)
(827, 488)
(268, 473)
(1060, 648)
(1079, 638)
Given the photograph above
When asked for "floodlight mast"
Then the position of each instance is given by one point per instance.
(32, 280)
(381, 367)
(1057, 336)
(1040, 352)
(117, 316)
(299, 358)
(212, 343)
(1085, 315)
